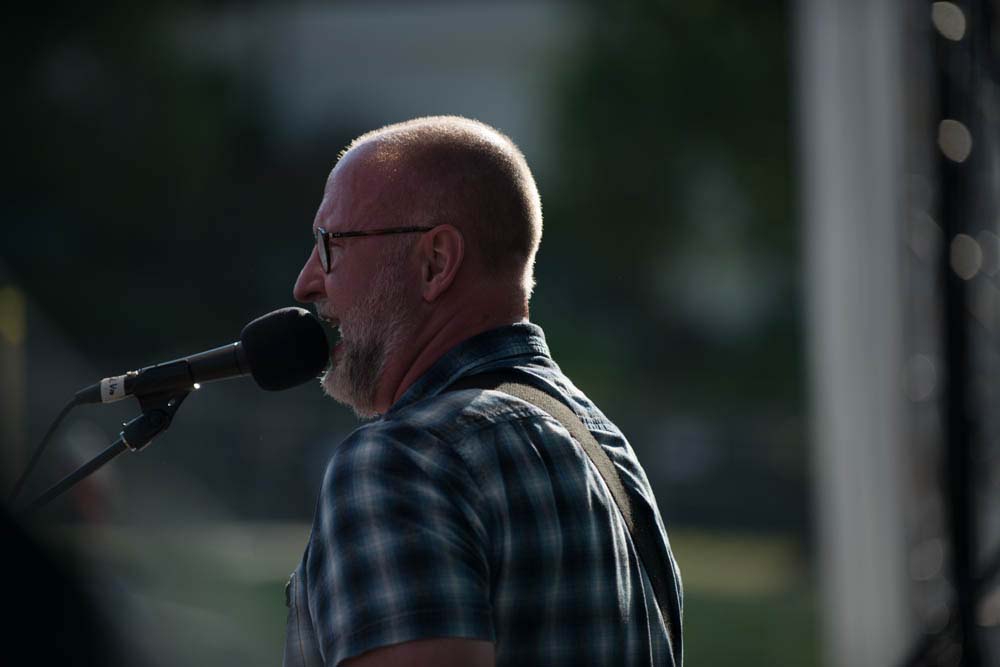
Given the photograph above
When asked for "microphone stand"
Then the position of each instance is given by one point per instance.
(157, 413)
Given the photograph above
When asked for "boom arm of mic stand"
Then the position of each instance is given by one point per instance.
(157, 413)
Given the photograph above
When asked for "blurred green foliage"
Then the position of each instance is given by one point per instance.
(675, 138)
(673, 210)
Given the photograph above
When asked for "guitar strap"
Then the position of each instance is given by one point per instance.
(637, 516)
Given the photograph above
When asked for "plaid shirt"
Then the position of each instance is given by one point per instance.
(473, 514)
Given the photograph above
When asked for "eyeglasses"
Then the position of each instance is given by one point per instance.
(323, 239)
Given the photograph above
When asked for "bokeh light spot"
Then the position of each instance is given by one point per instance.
(949, 20)
(954, 140)
(966, 256)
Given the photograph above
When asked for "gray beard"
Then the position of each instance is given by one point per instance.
(353, 381)
(375, 329)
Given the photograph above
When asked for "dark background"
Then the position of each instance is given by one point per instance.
(164, 166)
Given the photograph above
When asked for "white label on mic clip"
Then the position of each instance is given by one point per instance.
(113, 389)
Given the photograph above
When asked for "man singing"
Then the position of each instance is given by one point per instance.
(465, 525)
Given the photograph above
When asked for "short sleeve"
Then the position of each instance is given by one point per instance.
(399, 550)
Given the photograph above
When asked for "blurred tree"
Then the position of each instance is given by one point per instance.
(675, 196)
(674, 130)
(130, 157)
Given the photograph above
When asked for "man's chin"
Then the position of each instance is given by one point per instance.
(336, 385)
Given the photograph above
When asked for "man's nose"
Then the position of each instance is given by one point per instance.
(309, 285)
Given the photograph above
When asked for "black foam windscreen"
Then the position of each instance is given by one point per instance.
(285, 348)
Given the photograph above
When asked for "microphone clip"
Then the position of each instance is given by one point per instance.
(158, 411)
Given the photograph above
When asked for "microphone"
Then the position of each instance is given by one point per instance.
(280, 350)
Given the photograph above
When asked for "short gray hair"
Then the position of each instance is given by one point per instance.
(469, 175)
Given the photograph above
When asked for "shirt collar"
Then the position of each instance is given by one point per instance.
(503, 347)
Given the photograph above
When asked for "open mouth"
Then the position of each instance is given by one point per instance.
(332, 327)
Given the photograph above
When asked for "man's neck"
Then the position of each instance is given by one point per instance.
(441, 333)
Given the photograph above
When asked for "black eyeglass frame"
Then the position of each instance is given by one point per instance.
(323, 239)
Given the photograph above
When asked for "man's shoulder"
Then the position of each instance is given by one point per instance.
(449, 428)
(443, 418)
(431, 426)
(454, 413)
(386, 456)
(426, 427)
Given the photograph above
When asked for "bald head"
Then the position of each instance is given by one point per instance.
(452, 170)
(402, 299)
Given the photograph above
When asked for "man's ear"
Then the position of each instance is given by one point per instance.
(442, 252)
